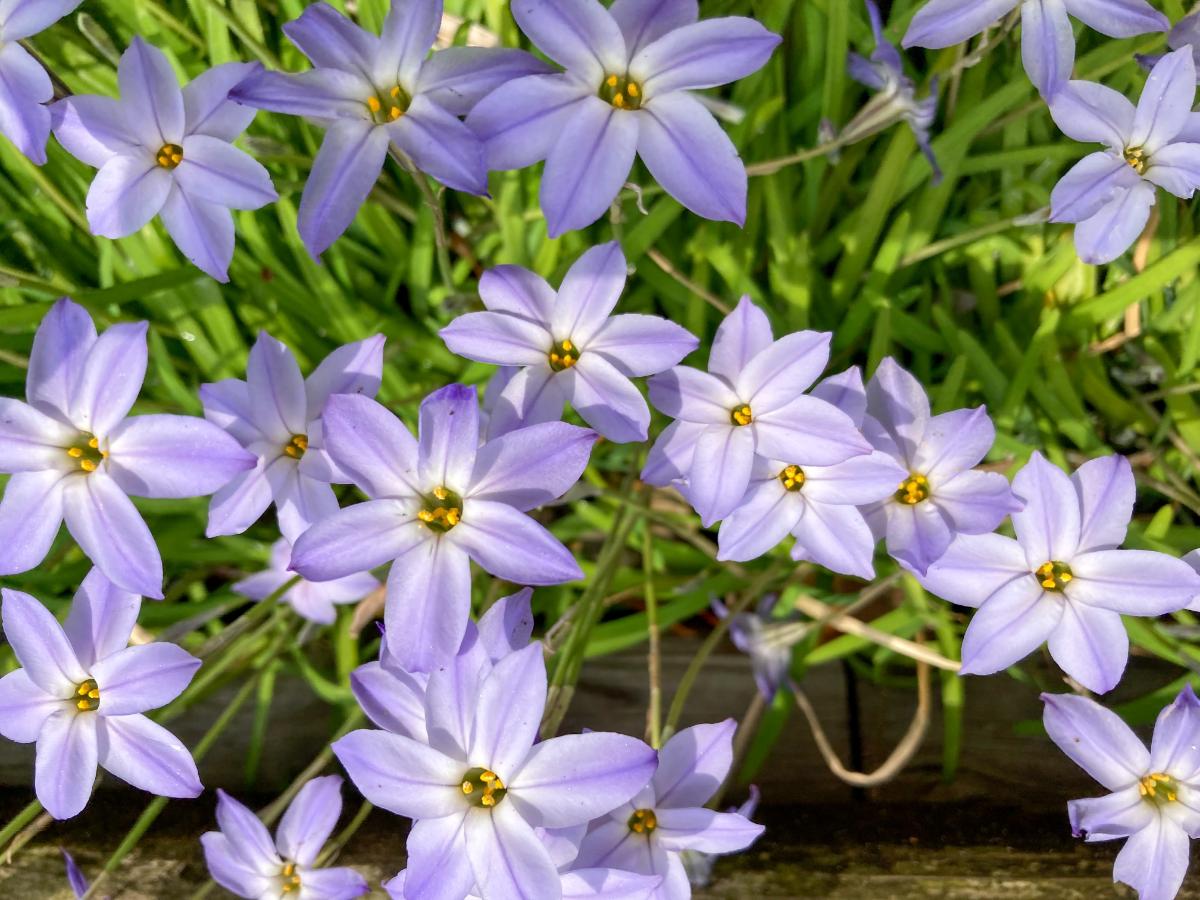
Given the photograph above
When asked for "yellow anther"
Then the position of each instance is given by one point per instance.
(87, 453)
(563, 355)
(611, 80)
(483, 787)
(793, 478)
(388, 105)
(395, 91)
(296, 447)
(441, 493)
(373, 104)
(291, 878)
(442, 510)
(621, 92)
(88, 695)
(912, 490)
(169, 156)
(75, 452)
(741, 415)
(1053, 575)
(619, 101)
(1136, 158)
(643, 821)
(1159, 787)
(632, 89)
(467, 787)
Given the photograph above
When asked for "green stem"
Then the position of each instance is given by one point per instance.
(440, 241)
(19, 821)
(344, 836)
(653, 653)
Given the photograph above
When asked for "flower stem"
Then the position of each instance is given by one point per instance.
(654, 652)
(19, 821)
(441, 242)
(343, 838)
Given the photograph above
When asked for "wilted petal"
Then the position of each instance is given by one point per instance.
(66, 763)
(1097, 739)
(498, 338)
(703, 55)
(1011, 624)
(704, 831)
(438, 861)
(346, 168)
(24, 707)
(310, 819)
(1049, 525)
(428, 603)
(607, 400)
(690, 155)
(355, 539)
(693, 764)
(165, 456)
(126, 193)
(943, 23)
(1112, 230)
(510, 545)
(531, 466)
(1155, 859)
(147, 756)
(1093, 113)
(30, 515)
(506, 855)
(151, 96)
(1134, 582)
(221, 173)
(1166, 102)
(1047, 44)
(112, 534)
(101, 618)
(206, 105)
(402, 775)
(581, 37)
(720, 471)
(202, 231)
(521, 122)
(1091, 645)
(441, 146)
(142, 678)
(457, 78)
(587, 165)
(40, 645)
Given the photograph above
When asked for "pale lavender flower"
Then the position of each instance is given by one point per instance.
(394, 698)
(750, 402)
(627, 91)
(942, 494)
(1047, 42)
(312, 600)
(818, 505)
(276, 415)
(569, 346)
(75, 454)
(698, 864)
(1062, 581)
(480, 786)
(1154, 802)
(896, 98)
(1184, 35)
(81, 693)
(437, 504)
(650, 832)
(167, 152)
(1108, 194)
(375, 91)
(243, 857)
(24, 115)
(767, 639)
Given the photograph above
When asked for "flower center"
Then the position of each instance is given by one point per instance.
(170, 156)
(389, 106)
(563, 355)
(1159, 787)
(296, 446)
(621, 92)
(1054, 575)
(913, 490)
(741, 415)
(87, 453)
(87, 696)
(792, 478)
(483, 787)
(290, 878)
(643, 821)
(442, 511)
(1136, 157)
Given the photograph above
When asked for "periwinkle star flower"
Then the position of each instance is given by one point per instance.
(896, 98)
(480, 785)
(81, 692)
(375, 91)
(276, 415)
(942, 494)
(435, 505)
(650, 832)
(767, 639)
(312, 600)
(751, 402)
(1154, 804)
(1184, 35)
(818, 505)
(24, 115)
(1108, 194)
(627, 91)
(568, 345)
(1047, 41)
(699, 864)
(244, 859)
(165, 151)
(75, 453)
(1063, 580)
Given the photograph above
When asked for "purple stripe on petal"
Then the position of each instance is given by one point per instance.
(402, 775)
(1011, 624)
(126, 193)
(202, 231)
(222, 174)
(439, 866)
(167, 456)
(372, 446)
(141, 678)
(151, 95)
(441, 146)
(693, 764)
(531, 466)
(607, 400)
(510, 545)
(111, 379)
(702, 55)
(588, 293)
(146, 755)
(310, 820)
(1091, 645)
(40, 645)
(1097, 739)
(101, 618)
(520, 122)
(507, 856)
(330, 40)
(355, 368)
(111, 532)
(66, 763)
(428, 603)
(60, 349)
(346, 168)
(457, 78)
(644, 21)
(30, 515)
(206, 104)
(24, 707)
(448, 437)
(24, 88)
(578, 35)
(508, 712)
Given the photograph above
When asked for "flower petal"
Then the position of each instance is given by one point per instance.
(510, 545)
(25, 18)
(448, 437)
(783, 371)
(944, 23)
(220, 173)
(318, 94)
(703, 55)
(40, 645)
(1089, 185)
(808, 431)
(692, 395)
(457, 78)
(581, 37)
(1047, 44)
(147, 756)
(438, 861)
(428, 603)
(1118, 18)
(507, 626)
(498, 338)
(690, 155)
(165, 456)
(230, 871)
(1175, 749)
(1112, 230)
(1049, 525)
(60, 350)
(671, 455)
(207, 108)
(763, 518)
(355, 539)
(402, 775)
(954, 442)
(1112, 816)
(508, 714)
(975, 502)
(111, 378)
(276, 390)
(836, 537)
(31, 441)
(607, 400)
(1093, 113)
(310, 820)
(330, 40)
(1134, 582)
(24, 707)
(1154, 860)
(588, 293)
(644, 21)
(1106, 492)
(1091, 645)
(250, 839)
(506, 855)
(693, 764)
(346, 168)
(1176, 167)
(393, 700)
(899, 404)
(241, 502)
(409, 30)
(513, 289)
(975, 567)
(640, 345)
(720, 471)
(30, 515)
(704, 831)
(355, 368)
(202, 231)
(1012, 623)
(441, 146)
(575, 778)
(531, 466)
(371, 445)
(112, 534)
(126, 193)
(533, 396)
(151, 95)
(91, 128)
(1166, 102)
(741, 336)
(141, 678)
(300, 501)
(66, 763)
(587, 165)
(520, 122)
(101, 619)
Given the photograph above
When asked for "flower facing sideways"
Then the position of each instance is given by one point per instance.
(312, 600)
(650, 832)
(276, 415)
(1062, 580)
(1154, 804)
(244, 859)
(24, 116)
(480, 785)
(627, 91)
(436, 503)
(80, 694)
(1108, 194)
(162, 151)
(76, 454)
(569, 346)
(375, 91)
(751, 402)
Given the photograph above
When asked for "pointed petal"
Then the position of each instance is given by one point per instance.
(24, 707)
(513, 289)
(944, 23)
(607, 400)
(975, 502)
(31, 441)
(249, 837)
(1134, 582)
(1048, 526)
(1175, 749)
(836, 537)
(126, 193)
(846, 391)
(25, 18)
(60, 350)
(1112, 816)
(703, 55)
(704, 831)
(151, 95)
(898, 403)
(112, 534)
(808, 431)
(1047, 44)
(276, 389)
(165, 456)
(141, 678)
(581, 37)
(1154, 860)
(954, 442)
(40, 645)
(448, 437)
(1166, 102)
(670, 457)
(371, 445)
(318, 94)
(531, 466)
(441, 146)
(1112, 230)
(693, 764)
(1106, 493)
(439, 865)
(91, 128)
(720, 471)
(229, 870)
(975, 567)
(510, 545)
(66, 763)
(240, 503)
(640, 345)
(588, 293)
(763, 518)
(1093, 113)
(346, 168)
(220, 173)
(687, 393)
(644, 21)
(741, 336)
(507, 856)
(310, 820)
(509, 713)
(1176, 168)
(394, 700)
(428, 603)
(202, 231)
(330, 40)
(457, 78)
(356, 539)
(514, 140)
(1118, 18)
(1091, 645)
(30, 515)
(101, 618)
(1097, 739)
(507, 626)
(207, 108)
(111, 378)
(783, 371)
(498, 338)
(858, 481)
(402, 775)
(1011, 624)
(147, 756)
(409, 30)
(300, 501)
(533, 396)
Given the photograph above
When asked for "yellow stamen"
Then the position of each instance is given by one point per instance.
(621, 92)
(643, 821)
(296, 447)
(169, 156)
(1053, 575)
(87, 695)
(563, 355)
(1159, 787)
(442, 510)
(87, 453)
(1136, 158)
(913, 490)
(793, 478)
(741, 415)
(483, 787)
